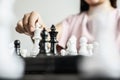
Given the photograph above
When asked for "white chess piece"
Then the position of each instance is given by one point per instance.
(24, 53)
(71, 46)
(83, 46)
(96, 45)
(63, 52)
(90, 49)
(36, 39)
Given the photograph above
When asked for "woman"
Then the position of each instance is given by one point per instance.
(98, 21)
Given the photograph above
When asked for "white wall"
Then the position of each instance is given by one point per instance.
(52, 12)
(118, 3)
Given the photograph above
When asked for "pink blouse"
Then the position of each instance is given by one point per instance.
(79, 25)
(105, 29)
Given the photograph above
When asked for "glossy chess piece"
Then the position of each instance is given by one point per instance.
(53, 41)
(43, 42)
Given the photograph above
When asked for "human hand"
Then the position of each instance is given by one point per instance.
(27, 24)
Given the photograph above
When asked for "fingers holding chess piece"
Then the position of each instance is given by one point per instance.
(27, 24)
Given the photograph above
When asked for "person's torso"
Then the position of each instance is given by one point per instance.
(104, 29)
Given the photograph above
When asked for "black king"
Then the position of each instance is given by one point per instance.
(53, 40)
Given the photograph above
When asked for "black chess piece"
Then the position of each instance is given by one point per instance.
(17, 46)
(53, 34)
(43, 42)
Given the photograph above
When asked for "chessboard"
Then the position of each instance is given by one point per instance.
(58, 68)
(53, 65)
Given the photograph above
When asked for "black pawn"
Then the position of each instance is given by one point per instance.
(43, 41)
(53, 40)
(17, 46)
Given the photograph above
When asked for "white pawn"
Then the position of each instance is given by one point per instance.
(36, 39)
(95, 47)
(24, 53)
(71, 46)
(83, 46)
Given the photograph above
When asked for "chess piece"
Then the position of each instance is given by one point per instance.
(90, 49)
(36, 39)
(71, 46)
(53, 40)
(83, 46)
(63, 52)
(24, 53)
(95, 44)
(43, 42)
(17, 47)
